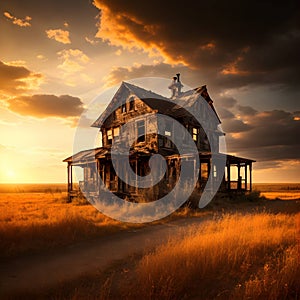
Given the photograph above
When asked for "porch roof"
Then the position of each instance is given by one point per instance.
(90, 155)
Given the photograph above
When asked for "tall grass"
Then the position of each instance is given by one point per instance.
(31, 222)
(233, 257)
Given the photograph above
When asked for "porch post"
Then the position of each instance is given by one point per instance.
(71, 177)
(68, 173)
(250, 169)
(70, 181)
(239, 177)
(228, 176)
(246, 176)
(136, 175)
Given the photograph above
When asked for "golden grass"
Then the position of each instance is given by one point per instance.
(38, 221)
(283, 191)
(232, 257)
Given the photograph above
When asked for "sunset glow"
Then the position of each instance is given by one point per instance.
(56, 58)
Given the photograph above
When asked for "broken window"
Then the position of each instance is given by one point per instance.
(109, 136)
(204, 171)
(168, 128)
(195, 134)
(215, 171)
(123, 108)
(141, 130)
(116, 131)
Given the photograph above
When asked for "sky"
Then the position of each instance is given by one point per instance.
(57, 56)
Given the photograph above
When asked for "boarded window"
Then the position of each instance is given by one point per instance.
(141, 130)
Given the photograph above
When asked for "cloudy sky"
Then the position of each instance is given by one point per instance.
(56, 56)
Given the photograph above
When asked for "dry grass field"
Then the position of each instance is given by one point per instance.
(250, 250)
(283, 191)
(39, 218)
(232, 257)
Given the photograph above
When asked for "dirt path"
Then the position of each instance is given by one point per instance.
(34, 273)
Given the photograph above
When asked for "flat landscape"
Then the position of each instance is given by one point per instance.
(236, 248)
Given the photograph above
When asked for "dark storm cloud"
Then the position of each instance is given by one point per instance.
(235, 126)
(235, 43)
(225, 113)
(13, 78)
(273, 136)
(227, 102)
(42, 106)
(246, 110)
(119, 74)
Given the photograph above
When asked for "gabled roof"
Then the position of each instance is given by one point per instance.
(157, 102)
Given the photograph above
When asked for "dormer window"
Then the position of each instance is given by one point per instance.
(131, 103)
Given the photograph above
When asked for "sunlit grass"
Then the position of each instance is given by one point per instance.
(37, 221)
(232, 257)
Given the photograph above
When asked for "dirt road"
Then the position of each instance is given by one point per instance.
(34, 273)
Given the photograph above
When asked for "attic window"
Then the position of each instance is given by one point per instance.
(141, 130)
(131, 103)
(124, 108)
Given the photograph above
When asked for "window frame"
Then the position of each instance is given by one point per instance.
(109, 133)
(142, 138)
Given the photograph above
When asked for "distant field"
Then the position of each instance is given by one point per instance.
(283, 191)
(33, 188)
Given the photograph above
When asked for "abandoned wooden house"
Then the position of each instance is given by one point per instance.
(140, 111)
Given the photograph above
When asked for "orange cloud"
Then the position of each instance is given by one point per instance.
(16, 79)
(59, 35)
(233, 67)
(90, 41)
(73, 60)
(131, 33)
(43, 106)
(20, 22)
